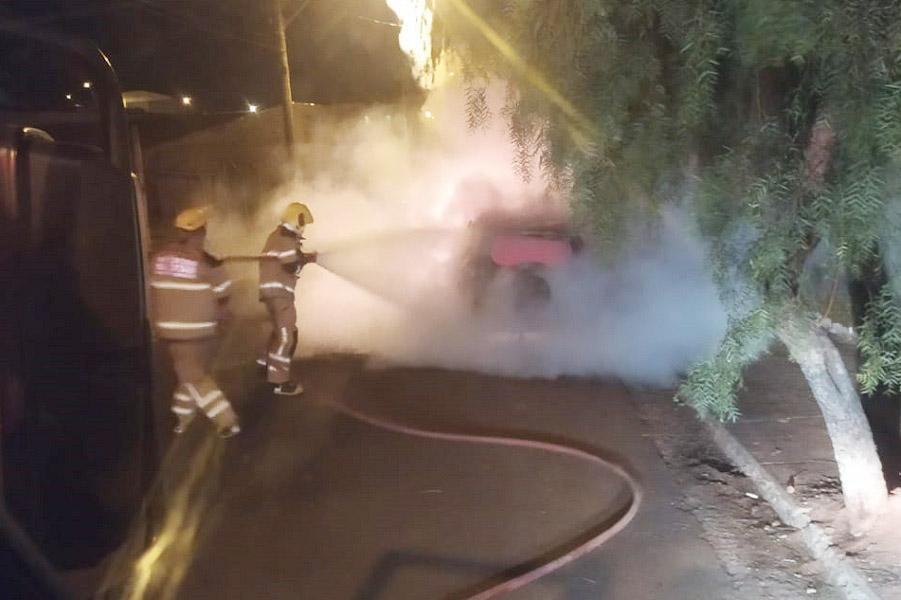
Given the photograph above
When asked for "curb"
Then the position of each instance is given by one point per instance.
(838, 570)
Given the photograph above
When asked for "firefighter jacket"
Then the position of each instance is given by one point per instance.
(280, 265)
(188, 293)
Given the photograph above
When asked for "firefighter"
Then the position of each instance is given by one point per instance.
(190, 292)
(281, 262)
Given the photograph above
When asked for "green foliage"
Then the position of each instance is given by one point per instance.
(477, 111)
(716, 101)
(850, 216)
(768, 32)
(710, 386)
(701, 48)
(880, 344)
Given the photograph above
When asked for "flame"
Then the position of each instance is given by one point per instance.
(415, 37)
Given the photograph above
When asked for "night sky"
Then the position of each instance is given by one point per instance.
(222, 52)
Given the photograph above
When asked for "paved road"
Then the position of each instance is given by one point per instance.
(312, 505)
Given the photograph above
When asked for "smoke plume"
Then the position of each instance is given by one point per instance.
(398, 211)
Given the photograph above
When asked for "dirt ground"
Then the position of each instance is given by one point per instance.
(765, 558)
(782, 427)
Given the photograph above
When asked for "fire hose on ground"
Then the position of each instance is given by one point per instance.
(576, 550)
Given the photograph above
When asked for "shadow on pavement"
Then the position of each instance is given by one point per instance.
(390, 564)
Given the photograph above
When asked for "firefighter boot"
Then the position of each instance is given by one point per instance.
(231, 431)
(184, 408)
(288, 389)
(216, 406)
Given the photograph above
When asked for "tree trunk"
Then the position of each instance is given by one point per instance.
(860, 469)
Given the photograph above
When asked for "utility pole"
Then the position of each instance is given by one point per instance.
(287, 99)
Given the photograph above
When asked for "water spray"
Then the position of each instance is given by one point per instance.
(342, 258)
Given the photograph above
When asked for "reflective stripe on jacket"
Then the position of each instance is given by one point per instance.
(278, 268)
(187, 287)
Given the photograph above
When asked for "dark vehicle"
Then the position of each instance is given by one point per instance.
(519, 249)
(77, 445)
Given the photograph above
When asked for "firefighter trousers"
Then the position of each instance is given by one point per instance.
(283, 341)
(192, 360)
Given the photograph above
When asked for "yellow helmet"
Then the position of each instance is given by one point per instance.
(192, 219)
(296, 214)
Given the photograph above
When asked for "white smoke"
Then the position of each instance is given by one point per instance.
(394, 214)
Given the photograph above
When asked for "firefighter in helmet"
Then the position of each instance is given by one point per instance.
(189, 294)
(281, 262)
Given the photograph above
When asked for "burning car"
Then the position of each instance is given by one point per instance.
(511, 255)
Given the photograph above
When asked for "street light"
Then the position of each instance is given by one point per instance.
(68, 96)
(87, 85)
(253, 108)
(186, 101)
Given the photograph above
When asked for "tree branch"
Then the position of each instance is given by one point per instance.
(838, 568)
(842, 333)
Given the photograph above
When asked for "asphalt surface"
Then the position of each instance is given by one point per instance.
(308, 504)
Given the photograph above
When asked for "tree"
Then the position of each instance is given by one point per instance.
(778, 122)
